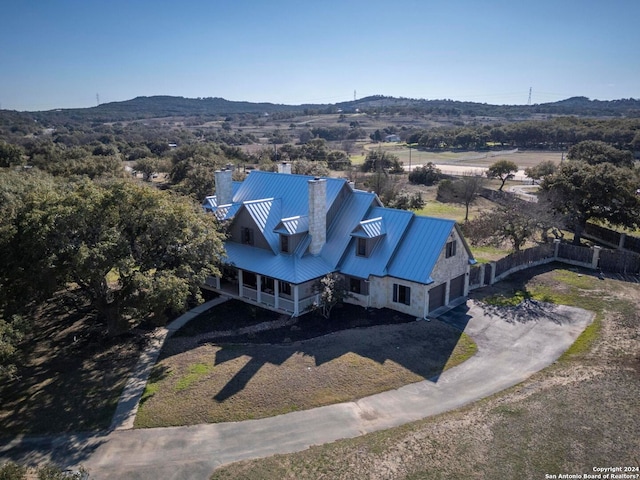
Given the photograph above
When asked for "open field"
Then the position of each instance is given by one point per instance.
(220, 382)
(578, 414)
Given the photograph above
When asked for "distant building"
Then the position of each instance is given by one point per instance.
(285, 232)
(392, 138)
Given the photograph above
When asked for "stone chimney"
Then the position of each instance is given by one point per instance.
(317, 214)
(284, 167)
(224, 190)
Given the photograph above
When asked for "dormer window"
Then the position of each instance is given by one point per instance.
(246, 235)
(367, 234)
(361, 249)
(284, 243)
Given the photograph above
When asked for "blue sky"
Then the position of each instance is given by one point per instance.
(61, 53)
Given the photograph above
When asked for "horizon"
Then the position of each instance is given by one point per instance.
(323, 104)
(75, 54)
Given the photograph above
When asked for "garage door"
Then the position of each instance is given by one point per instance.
(437, 296)
(457, 287)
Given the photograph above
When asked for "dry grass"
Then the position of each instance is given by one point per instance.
(578, 414)
(219, 383)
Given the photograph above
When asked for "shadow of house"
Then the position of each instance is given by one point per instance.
(421, 347)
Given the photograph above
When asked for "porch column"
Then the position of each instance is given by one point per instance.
(240, 288)
(258, 288)
(276, 292)
(295, 301)
(217, 282)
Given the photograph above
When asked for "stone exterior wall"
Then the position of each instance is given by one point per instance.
(317, 214)
(224, 187)
(381, 288)
(448, 268)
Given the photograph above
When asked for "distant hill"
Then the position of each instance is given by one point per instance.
(141, 108)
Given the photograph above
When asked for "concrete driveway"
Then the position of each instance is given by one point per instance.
(513, 343)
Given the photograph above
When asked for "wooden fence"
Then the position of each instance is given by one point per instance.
(612, 238)
(597, 258)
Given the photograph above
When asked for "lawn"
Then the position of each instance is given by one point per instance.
(219, 382)
(577, 414)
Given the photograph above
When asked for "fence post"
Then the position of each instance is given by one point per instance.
(596, 257)
(623, 238)
(556, 248)
(492, 277)
(482, 268)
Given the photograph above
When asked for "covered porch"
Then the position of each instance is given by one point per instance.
(263, 291)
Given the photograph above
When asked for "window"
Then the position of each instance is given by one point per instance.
(246, 235)
(267, 285)
(362, 247)
(249, 279)
(354, 285)
(451, 249)
(401, 294)
(284, 244)
(285, 288)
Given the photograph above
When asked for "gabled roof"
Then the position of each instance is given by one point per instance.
(369, 228)
(293, 225)
(266, 215)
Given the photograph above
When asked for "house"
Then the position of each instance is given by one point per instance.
(392, 138)
(285, 232)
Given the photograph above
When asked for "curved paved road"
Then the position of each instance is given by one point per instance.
(512, 345)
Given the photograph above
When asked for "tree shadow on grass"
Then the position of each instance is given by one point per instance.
(71, 377)
(61, 450)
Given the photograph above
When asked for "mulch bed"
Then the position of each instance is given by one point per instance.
(310, 325)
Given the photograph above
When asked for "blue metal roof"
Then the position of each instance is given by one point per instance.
(396, 222)
(288, 268)
(354, 209)
(292, 190)
(266, 215)
(226, 212)
(293, 225)
(369, 228)
(420, 248)
(405, 246)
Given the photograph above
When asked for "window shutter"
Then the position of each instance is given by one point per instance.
(395, 292)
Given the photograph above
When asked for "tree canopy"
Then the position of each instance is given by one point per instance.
(582, 192)
(502, 169)
(135, 253)
(595, 152)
